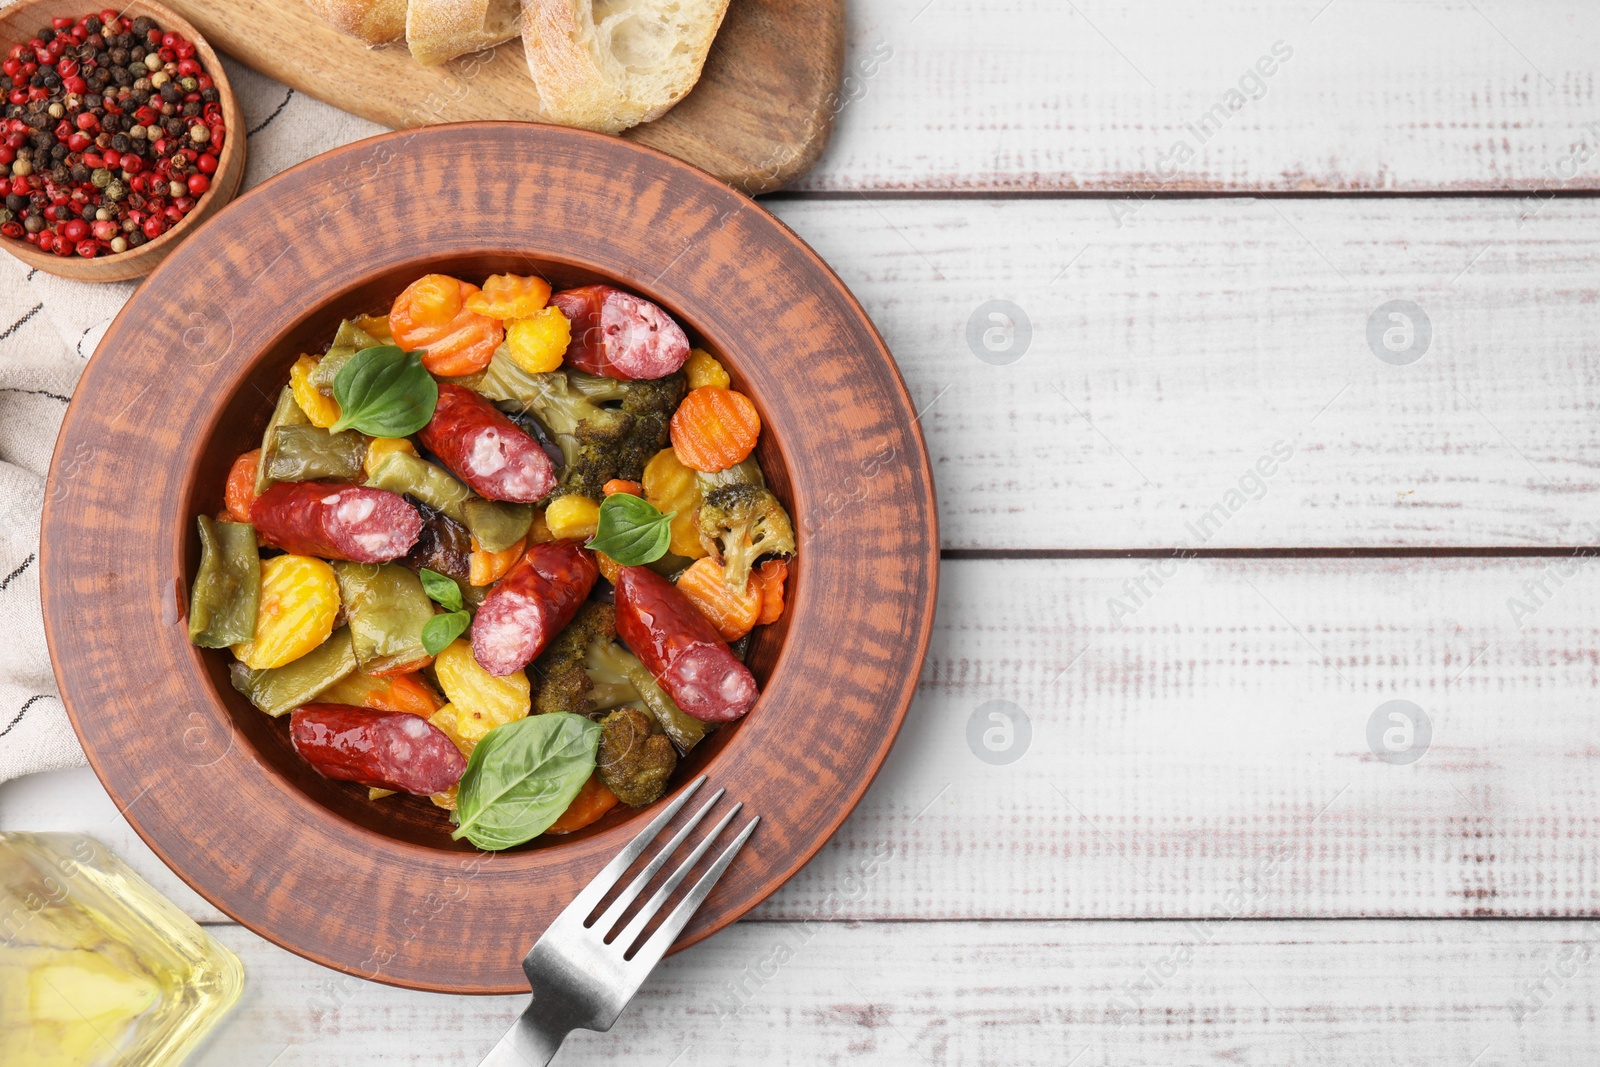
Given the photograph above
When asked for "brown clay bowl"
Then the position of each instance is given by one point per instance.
(18, 22)
(183, 382)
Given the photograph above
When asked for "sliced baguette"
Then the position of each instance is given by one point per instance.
(610, 64)
(374, 21)
(439, 30)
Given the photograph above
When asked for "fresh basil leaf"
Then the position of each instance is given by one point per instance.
(631, 531)
(522, 776)
(439, 631)
(441, 589)
(384, 392)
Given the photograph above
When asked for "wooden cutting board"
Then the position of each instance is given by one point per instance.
(758, 118)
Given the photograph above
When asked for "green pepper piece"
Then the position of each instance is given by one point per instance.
(401, 472)
(745, 473)
(287, 413)
(682, 729)
(280, 689)
(387, 610)
(305, 453)
(346, 343)
(227, 588)
(496, 524)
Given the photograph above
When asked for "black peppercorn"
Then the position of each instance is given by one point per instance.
(122, 142)
(135, 237)
(46, 35)
(92, 24)
(80, 172)
(209, 96)
(191, 109)
(143, 25)
(173, 125)
(140, 96)
(171, 93)
(16, 202)
(110, 123)
(59, 151)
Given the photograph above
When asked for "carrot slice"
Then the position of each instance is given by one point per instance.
(770, 577)
(592, 801)
(623, 485)
(240, 492)
(714, 428)
(432, 314)
(731, 612)
(490, 567)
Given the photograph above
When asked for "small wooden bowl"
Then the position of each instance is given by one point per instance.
(18, 22)
(214, 786)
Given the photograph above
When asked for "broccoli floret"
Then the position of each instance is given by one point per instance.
(564, 683)
(741, 523)
(634, 763)
(597, 442)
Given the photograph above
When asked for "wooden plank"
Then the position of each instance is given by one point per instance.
(1168, 348)
(1101, 95)
(1278, 994)
(1213, 736)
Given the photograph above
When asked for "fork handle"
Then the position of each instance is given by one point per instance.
(531, 1042)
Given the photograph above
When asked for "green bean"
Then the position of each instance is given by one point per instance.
(227, 587)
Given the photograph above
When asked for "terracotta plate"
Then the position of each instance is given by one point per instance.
(182, 383)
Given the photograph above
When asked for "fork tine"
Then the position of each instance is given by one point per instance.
(592, 893)
(614, 913)
(652, 950)
(648, 912)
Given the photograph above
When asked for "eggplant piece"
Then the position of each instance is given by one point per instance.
(277, 690)
(308, 453)
(497, 524)
(444, 545)
(227, 587)
(386, 610)
(287, 413)
(408, 475)
(609, 665)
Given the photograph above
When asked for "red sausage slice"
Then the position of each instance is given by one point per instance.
(619, 335)
(487, 450)
(680, 647)
(336, 521)
(531, 604)
(384, 749)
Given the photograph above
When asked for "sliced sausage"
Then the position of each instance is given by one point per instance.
(531, 604)
(336, 521)
(485, 449)
(619, 335)
(383, 749)
(679, 646)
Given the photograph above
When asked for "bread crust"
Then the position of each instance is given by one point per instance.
(440, 30)
(373, 21)
(573, 89)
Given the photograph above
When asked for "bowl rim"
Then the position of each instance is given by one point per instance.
(923, 544)
(230, 166)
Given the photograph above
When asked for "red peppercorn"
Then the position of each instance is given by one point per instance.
(132, 164)
(204, 81)
(75, 85)
(12, 67)
(167, 54)
(5, 186)
(18, 96)
(94, 160)
(109, 15)
(75, 231)
(12, 229)
(62, 248)
(21, 186)
(67, 67)
(60, 22)
(38, 92)
(104, 229)
(173, 213)
(154, 226)
(7, 154)
(45, 240)
(140, 183)
(77, 141)
(198, 184)
(207, 163)
(88, 249)
(86, 121)
(187, 68)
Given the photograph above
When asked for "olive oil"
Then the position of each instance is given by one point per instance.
(96, 967)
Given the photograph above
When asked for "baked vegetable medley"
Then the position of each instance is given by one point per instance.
(493, 550)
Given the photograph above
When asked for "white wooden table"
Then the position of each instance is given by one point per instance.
(1215, 844)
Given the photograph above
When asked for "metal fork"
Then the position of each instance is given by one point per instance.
(581, 979)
